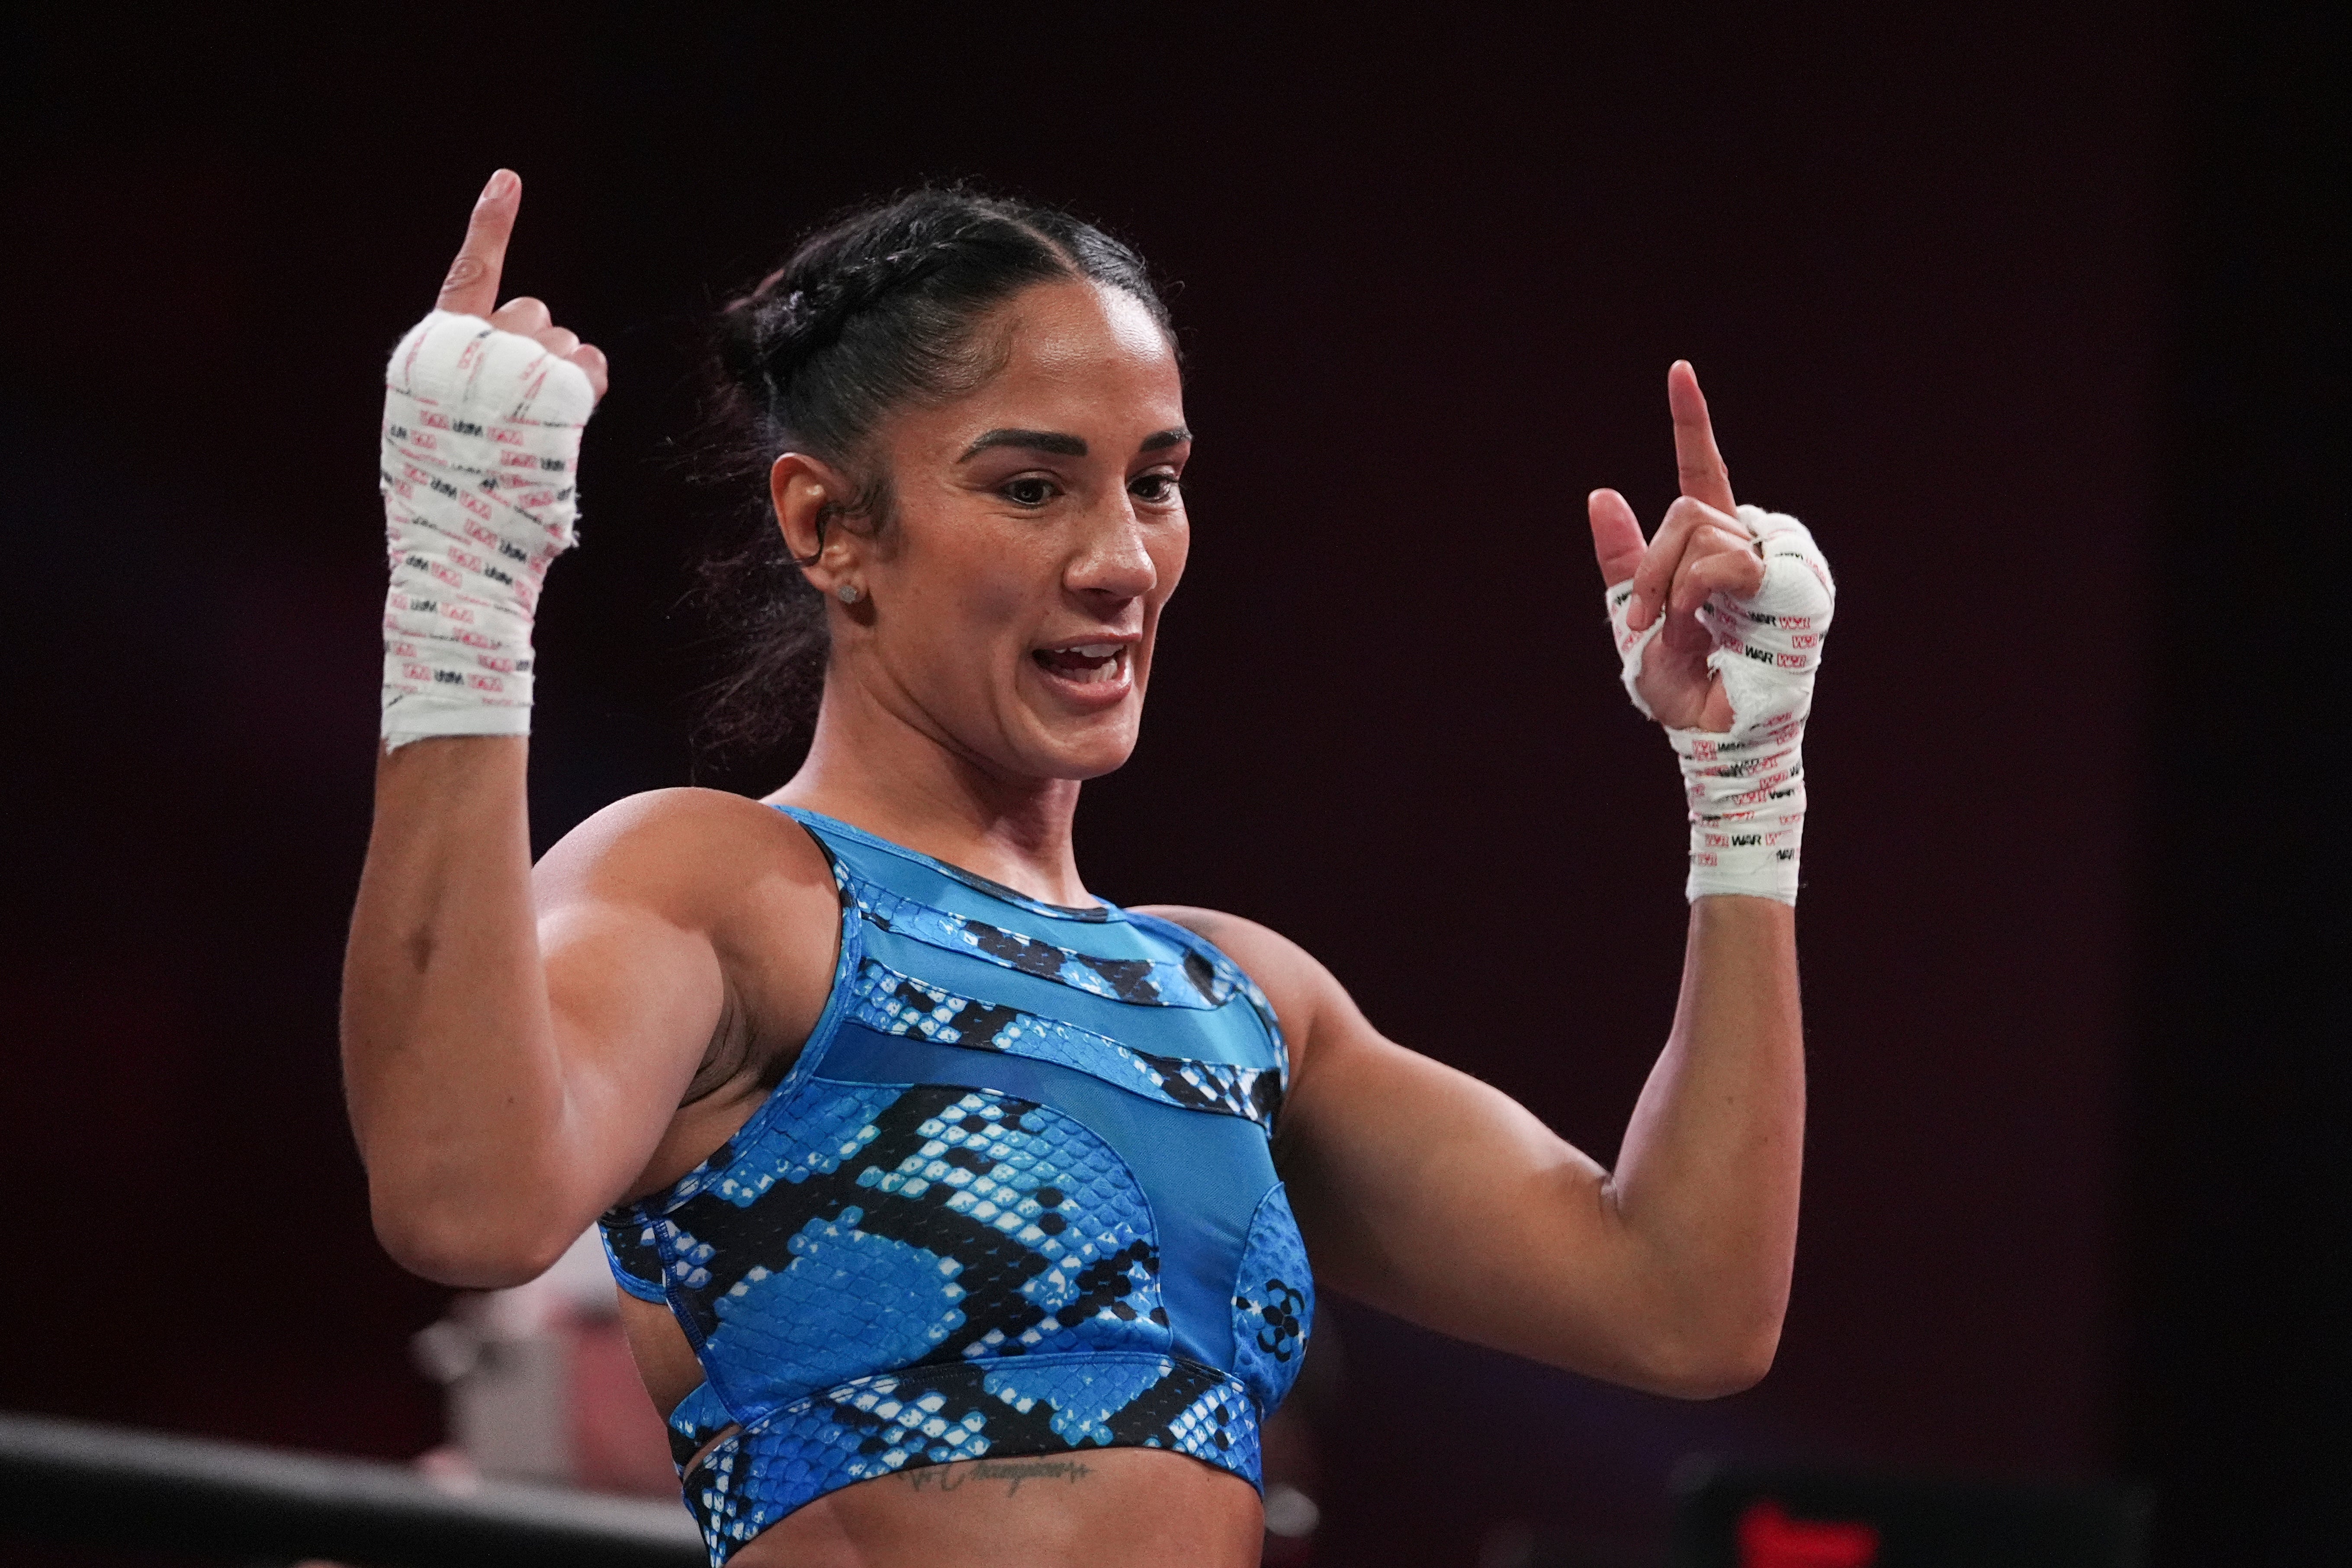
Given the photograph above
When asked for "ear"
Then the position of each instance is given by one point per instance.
(807, 492)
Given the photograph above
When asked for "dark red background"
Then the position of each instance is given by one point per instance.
(1429, 278)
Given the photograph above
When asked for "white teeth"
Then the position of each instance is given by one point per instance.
(1105, 661)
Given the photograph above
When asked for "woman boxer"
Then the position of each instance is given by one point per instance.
(961, 1216)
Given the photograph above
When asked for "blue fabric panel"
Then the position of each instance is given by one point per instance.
(895, 1004)
(699, 1416)
(1274, 1304)
(917, 876)
(1016, 1196)
(1229, 973)
(891, 1224)
(1107, 932)
(1203, 1175)
(847, 1301)
(635, 1258)
(789, 1138)
(1116, 961)
(1232, 1033)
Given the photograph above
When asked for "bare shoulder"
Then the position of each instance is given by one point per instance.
(689, 853)
(1298, 986)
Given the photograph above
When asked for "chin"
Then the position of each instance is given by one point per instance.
(1081, 752)
(1093, 761)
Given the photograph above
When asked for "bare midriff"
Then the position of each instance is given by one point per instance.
(1103, 1507)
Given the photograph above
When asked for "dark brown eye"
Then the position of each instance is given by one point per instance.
(1158, 489)
(1030, 491)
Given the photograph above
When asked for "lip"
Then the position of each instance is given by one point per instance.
(1087, 695)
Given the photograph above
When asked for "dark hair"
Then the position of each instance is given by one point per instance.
(874, 311)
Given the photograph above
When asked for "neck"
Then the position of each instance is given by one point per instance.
(873, 769)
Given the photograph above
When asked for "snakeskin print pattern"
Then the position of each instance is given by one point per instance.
(1193, 981)
(881, 1275)
(1274, 1302)
(939, 1224)
(636, 1259)
(899, 1004)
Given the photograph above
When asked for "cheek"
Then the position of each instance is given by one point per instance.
(1168, 555)
(958, 599)
(990, 599)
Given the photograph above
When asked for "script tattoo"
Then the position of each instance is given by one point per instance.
(1013, 1473)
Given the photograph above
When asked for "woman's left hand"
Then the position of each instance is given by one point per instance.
(1701, 548)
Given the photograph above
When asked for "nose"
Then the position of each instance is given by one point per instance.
(1115, 562)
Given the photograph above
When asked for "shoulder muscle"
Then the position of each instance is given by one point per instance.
(687, 855)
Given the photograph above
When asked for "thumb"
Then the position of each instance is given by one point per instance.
(1616, 536)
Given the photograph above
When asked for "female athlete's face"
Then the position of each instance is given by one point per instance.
(1010, 611)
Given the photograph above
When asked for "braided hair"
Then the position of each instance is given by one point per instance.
(872, 311)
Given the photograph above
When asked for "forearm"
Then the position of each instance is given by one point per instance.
(1438, 1197)
(455, 1085)
(1705, 1193)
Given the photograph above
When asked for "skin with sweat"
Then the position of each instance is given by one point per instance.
(515, 1038)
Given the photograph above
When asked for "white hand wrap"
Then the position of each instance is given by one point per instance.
(1746, 786)
(481, 442)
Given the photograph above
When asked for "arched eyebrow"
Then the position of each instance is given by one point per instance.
(1064, 445)
(1052, 441)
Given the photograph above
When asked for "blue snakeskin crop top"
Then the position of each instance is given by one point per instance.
(1014, 1197)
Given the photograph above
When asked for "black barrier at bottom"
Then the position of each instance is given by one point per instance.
(71, 1481)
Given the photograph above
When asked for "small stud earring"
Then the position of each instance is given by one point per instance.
(847, 593)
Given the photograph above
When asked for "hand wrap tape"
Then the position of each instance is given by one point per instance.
(481, 444)
(1747, 786)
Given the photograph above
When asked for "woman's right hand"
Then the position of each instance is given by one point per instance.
(503, 1091)
(471, 288)
(485, 408)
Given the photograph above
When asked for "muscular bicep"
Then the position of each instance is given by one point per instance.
(636, 1000)
(1430, 1195)
(636, 908)
(1437, 1197)
(688, 940)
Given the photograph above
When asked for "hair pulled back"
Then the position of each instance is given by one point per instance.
(876, 310)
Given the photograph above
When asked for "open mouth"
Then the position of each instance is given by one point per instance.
(1084, 664)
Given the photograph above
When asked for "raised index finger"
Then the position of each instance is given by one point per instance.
(1703, 477)
(471, 288)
